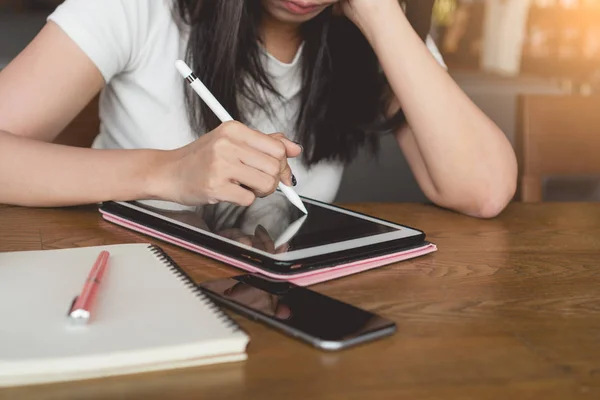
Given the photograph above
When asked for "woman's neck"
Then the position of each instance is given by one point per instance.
(280, 39)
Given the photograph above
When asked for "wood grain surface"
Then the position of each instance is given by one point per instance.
(507, 308)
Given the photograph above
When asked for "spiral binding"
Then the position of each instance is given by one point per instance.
(177, 270)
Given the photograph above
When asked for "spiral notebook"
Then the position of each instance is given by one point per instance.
(148, 316)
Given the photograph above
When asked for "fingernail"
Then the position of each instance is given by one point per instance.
(294, 181)
(301, 147)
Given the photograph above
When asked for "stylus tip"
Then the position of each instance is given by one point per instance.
(302, 208)
(293, 197)
(295, 200)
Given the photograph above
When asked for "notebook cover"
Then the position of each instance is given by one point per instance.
(149, 315)
(301, 279)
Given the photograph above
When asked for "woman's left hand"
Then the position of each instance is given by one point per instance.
(360, 11)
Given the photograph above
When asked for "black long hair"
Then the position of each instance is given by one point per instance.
(343, 95)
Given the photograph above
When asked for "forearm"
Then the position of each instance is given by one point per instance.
(465, 154)
(40, 174)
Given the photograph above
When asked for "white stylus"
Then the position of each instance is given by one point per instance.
(290, 232)
(224, 116)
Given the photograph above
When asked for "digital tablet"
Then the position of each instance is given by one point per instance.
(272, 234)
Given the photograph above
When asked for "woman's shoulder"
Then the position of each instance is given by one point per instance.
(115, 11)
(112, 32)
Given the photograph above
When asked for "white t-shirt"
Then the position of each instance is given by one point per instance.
(134, 44)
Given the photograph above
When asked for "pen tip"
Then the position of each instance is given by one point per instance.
(302, 208)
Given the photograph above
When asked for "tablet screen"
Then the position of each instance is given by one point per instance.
(274, 225)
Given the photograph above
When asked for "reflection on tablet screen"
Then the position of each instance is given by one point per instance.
(273, 224)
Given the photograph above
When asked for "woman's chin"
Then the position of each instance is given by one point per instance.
(285, 16)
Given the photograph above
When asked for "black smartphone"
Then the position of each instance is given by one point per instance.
(319, 320)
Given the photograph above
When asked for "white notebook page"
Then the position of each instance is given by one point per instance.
(145, 314)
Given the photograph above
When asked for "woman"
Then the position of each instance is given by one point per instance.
(330, 75)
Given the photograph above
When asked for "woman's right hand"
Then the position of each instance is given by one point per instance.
(232, 163)
(36, 173)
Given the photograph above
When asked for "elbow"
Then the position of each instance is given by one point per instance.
(482, 192)
(483, 188)
(494, 190)
(484, 201)
(492, 199)
(490, 207)
(501, 190)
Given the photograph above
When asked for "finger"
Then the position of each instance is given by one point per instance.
(286, 175)
(255, 139)
(285, 172)
(292, 148)
(283, 311)
(260, 183)
(258, 160)
(284, 248)
(235, 194)
(261, 142)
(262, 239)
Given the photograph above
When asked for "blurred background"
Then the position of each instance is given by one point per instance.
(533, 66)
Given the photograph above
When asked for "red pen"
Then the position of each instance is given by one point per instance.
(81, 308)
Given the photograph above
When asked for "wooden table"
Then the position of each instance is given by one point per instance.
(507, 308)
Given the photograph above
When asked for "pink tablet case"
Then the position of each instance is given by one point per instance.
(301, 279)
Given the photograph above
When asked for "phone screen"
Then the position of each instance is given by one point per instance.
(300, 309)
